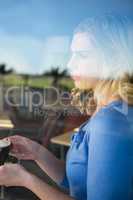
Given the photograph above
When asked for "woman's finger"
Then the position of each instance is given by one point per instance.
(18, 155)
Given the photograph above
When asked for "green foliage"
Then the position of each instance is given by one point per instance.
(57, 75)
(40, 82)
(66, 83)
(54, 77)
(35, 81)
(13, 79)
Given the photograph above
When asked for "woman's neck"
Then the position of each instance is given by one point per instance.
(104, 103)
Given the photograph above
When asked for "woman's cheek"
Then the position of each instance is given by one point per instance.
(89, 68)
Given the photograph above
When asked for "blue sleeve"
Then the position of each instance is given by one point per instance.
(110, 159)
(64, 183)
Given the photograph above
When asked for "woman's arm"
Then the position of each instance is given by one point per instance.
(26, 149)
(54, 167)
(16, 175)
(43, 190)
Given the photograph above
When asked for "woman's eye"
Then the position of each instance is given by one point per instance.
(82, 54)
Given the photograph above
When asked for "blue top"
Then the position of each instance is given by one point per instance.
(99, 162)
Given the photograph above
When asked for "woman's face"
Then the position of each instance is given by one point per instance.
(83, 65)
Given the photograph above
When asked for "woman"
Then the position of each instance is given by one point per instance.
(99, 163)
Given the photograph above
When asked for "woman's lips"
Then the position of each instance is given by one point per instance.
(76, 78)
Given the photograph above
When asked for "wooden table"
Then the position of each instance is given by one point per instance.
(6, 128)
(63, 140)
(6, 123)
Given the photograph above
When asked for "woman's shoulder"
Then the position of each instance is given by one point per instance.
(112, 119)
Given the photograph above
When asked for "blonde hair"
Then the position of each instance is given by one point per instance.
(87, 101)
(121, 88)
(83, 100)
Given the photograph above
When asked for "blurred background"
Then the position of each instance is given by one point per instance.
(35, 84)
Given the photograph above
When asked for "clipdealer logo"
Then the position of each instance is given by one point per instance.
(24, 96)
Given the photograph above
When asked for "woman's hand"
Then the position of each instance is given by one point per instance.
(24, 148)
(13, 175)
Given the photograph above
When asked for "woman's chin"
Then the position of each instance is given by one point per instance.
(80, 85)
(86, 83)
